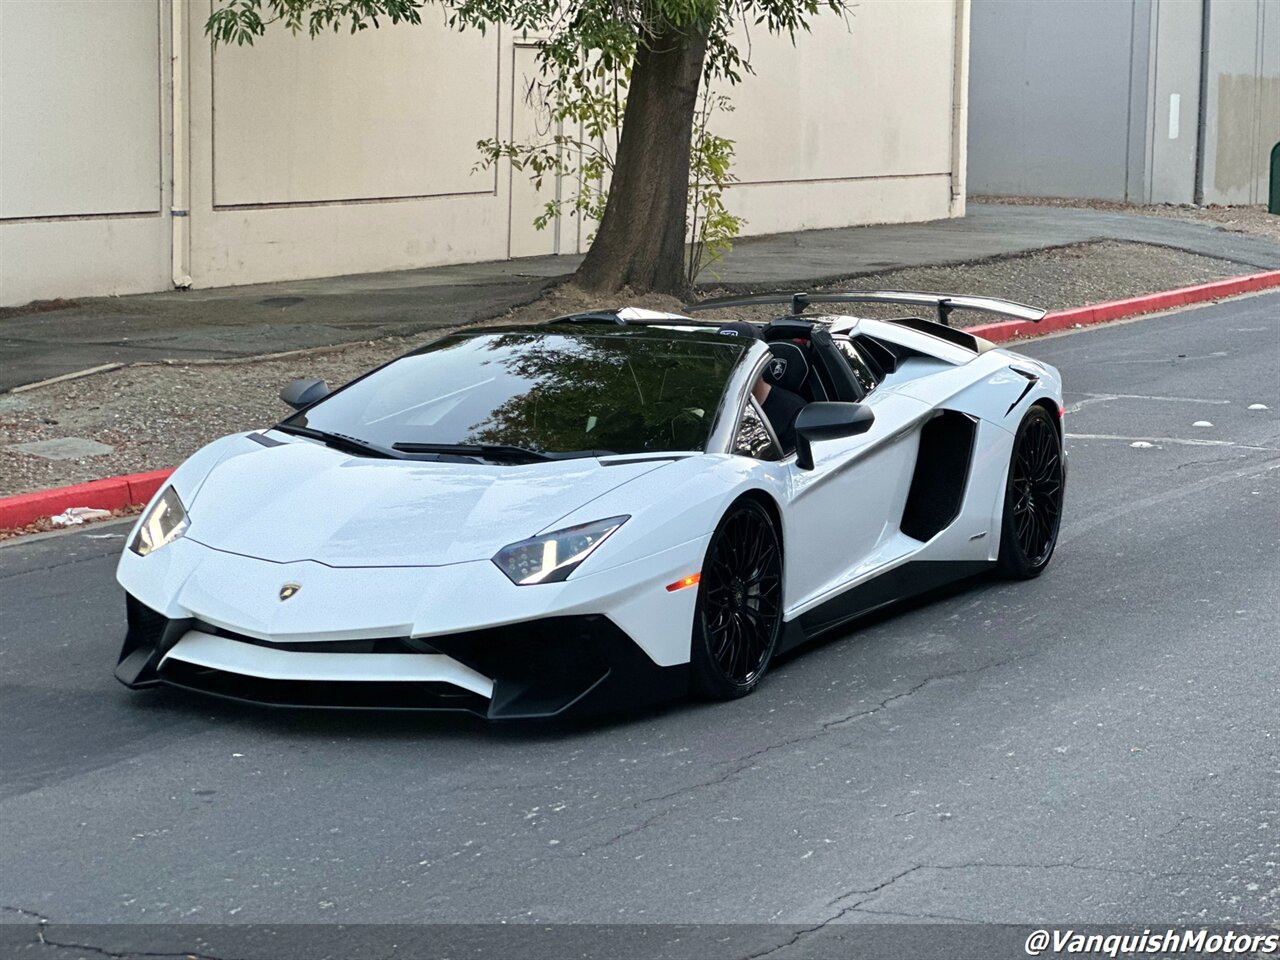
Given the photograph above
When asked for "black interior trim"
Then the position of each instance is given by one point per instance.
(833, 368)
(885, 356)
(788, 328)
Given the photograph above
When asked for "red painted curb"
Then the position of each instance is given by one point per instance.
(109, 494)
(135, 488)
(1134, 306)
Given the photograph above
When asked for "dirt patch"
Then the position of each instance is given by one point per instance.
(158, 415)
(37, 306)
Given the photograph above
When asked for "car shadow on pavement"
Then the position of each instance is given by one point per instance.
(890, 611)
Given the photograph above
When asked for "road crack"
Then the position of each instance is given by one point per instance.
(48, 568)
(130, 955)
(747, 762)
(116, 955)
(23, 912)
(866, 895)
(43, 925)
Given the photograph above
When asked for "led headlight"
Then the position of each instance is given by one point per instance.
(164, 523)
(553, 556)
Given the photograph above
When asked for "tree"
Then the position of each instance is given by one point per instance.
(666, 50)
(579, 145)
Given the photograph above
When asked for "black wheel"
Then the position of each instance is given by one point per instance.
(739, 610)
(1033, 497)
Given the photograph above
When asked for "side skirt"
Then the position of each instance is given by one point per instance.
(909, 580)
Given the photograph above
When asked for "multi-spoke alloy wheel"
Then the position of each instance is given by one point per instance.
(739, 611)
(1033, 497)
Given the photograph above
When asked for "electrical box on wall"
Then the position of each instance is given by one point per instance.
(1274, 205)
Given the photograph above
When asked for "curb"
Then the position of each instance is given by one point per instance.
(1007, 330)
(109, 494)
(137, 488)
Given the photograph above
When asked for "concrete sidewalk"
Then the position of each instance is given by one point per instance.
(268, 318)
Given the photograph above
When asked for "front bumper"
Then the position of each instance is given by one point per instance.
(540, 668)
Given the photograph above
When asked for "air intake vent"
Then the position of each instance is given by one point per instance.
(941, 475)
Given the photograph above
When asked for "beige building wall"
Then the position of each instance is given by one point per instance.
(345, 154)
(1243, 93)
(350, 154)
(853, 124)
(83, 161)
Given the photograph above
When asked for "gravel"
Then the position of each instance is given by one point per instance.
(157, 415)
(1242, 219)
(1054, 279)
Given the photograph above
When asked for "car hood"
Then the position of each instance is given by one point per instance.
(303, 501)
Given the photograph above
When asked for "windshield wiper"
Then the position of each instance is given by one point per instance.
(486, 451)
(497, 452)
(339, 441)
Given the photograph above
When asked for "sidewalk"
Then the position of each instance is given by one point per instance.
(271, 318)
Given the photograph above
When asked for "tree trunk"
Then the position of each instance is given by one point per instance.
(640, 242)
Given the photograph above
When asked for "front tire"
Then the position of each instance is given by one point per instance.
(1032, 498)
(738, 617)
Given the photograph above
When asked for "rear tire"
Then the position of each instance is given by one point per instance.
(1032, 497)
(738, 617)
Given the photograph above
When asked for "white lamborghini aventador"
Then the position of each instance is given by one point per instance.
(606, 508)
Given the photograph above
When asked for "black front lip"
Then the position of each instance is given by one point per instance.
(542, 668)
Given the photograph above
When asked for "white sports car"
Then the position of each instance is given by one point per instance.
(606, 508)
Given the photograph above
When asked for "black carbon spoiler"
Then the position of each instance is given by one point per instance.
(943, 303)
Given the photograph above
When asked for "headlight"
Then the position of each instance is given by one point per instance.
(164, 523)
(553, 556)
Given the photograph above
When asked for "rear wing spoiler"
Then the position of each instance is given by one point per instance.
(943, 303)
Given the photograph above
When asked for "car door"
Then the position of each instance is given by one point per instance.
(844, 514)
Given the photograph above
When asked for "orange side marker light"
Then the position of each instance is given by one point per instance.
(689, 581)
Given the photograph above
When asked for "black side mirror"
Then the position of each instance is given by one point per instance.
(303, 393)
(828, 421)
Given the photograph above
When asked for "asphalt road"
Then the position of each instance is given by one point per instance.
(1101, 744)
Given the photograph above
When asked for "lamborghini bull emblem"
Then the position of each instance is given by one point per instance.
(777, 368)
(289, 590)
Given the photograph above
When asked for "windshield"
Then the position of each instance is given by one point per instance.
(634, 392)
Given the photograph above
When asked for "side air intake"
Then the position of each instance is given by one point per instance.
(941, 475)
